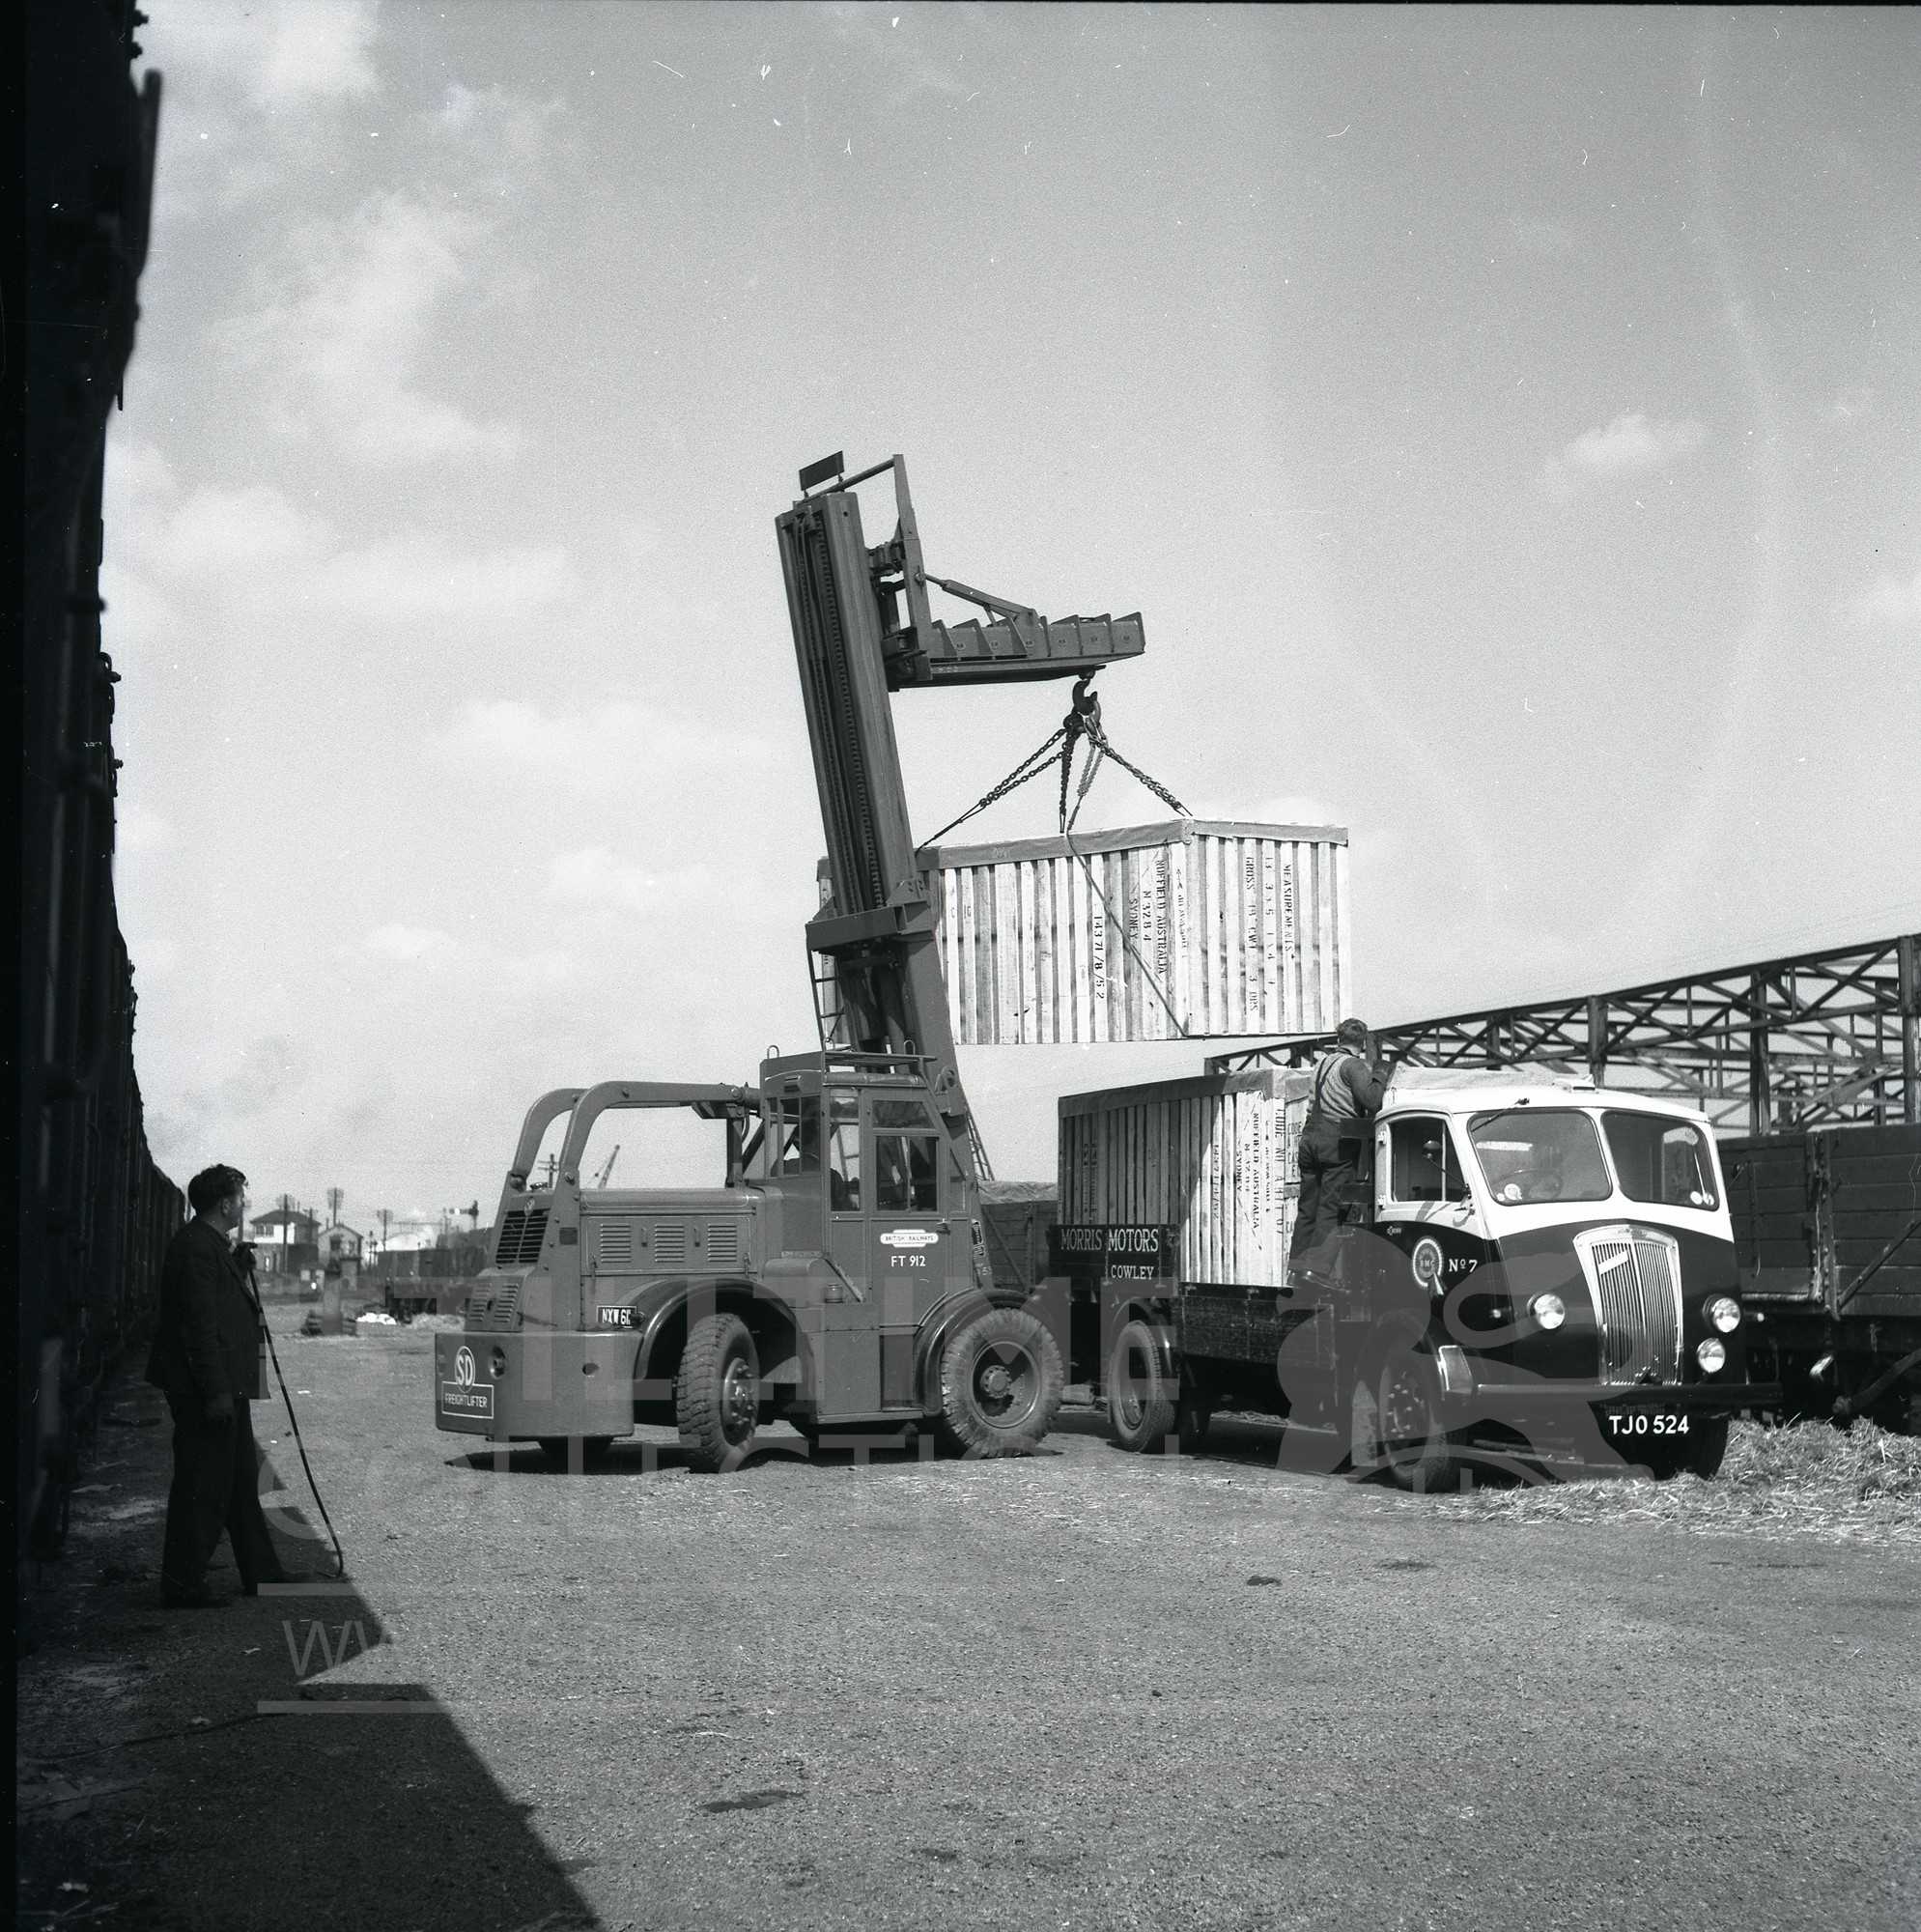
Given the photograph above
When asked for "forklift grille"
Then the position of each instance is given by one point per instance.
(521, 1234)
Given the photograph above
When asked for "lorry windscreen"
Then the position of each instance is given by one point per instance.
(1660, 1160)
(1530, 1156)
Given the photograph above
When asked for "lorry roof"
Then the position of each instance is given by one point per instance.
(1490, 1091)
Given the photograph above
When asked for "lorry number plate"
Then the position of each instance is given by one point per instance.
(1647, 1422)
(617, 1317)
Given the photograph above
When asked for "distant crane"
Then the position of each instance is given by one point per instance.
(600, 1179)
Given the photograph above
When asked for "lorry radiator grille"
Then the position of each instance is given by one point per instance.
(614, 1244)
(671, 1244)
(723, 1244)
(1634, 1280)
(521, 1234)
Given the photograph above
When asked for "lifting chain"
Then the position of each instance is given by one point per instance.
(1083, 721)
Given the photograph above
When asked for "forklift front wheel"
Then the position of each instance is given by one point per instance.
(1000, 1384)
(717, 1405)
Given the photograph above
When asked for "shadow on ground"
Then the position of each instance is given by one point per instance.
(186, 1771)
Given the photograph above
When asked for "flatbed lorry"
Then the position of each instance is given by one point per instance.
(1545, 1272)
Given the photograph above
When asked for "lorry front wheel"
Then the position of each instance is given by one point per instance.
(1699, 1452)
(1140, 1393)
(1000, 1384)
(1394, 1422)
(717, 1401)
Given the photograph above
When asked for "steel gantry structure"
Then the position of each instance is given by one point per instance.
(1819, 1038)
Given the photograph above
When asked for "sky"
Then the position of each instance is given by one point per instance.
(1505, 420)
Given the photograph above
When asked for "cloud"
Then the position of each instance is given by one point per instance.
(1631, 445)
(407, 942)
(1855, 401)
(594, 876)
(136, 830)
(280, 54)
(1536, 235)
(256, 553)
(344, 352)
(1887, 601)
(1293, 809)
(593, 749)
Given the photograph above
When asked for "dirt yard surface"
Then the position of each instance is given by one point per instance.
(1083, 1689)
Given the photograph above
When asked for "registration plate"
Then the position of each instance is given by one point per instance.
(1637, 1423)
(617, 1317)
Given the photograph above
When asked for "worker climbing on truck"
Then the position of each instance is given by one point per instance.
(1336, 1142)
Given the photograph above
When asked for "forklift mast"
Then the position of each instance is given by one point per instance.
(857, 644)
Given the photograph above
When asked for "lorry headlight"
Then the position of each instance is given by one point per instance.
(1724, 1313)
(1549, 1309)
(1712, 1355)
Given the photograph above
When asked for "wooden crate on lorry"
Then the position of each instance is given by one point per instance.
(1214, 1156)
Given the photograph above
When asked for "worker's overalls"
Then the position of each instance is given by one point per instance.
(1334, 1166)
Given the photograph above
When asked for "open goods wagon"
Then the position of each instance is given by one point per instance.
(1827, 1236)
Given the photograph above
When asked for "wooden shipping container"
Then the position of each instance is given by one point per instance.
(1194, 928)
(1214, 1155)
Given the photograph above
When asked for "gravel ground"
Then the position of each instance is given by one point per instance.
(1083, 1689)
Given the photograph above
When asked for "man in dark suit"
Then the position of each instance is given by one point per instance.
(206, 1356)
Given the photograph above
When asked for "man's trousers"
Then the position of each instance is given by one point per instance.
(215, 1488)
(1333, 1188)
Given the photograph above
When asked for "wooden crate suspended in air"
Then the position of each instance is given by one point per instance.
(1195, 926)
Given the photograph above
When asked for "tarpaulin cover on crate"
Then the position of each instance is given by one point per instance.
(1194, 927)
(1214, 1156)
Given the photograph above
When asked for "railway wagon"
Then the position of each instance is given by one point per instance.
(1827, 1237)
(92, 1212)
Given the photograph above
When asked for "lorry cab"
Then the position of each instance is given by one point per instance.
(1560, 1256)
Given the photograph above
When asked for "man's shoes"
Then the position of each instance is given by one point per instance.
(198, 1598)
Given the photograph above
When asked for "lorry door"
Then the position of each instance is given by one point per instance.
(1424, 1205)
(913, 1229)
(850, 1349)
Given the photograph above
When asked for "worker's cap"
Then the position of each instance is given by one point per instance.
(1351, 1033)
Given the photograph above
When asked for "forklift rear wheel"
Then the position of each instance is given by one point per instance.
(1000, 1384)
(716, 1403)
(574, 1452)
(1141, 1393)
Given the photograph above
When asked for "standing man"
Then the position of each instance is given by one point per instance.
(1336, 1141)
(206, 1356)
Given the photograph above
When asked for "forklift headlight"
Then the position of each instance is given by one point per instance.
(497, 1362)
(1724, 1313)
(1549, 1309)
(1712, 1355)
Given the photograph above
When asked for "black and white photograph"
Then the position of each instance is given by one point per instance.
(969, 967)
